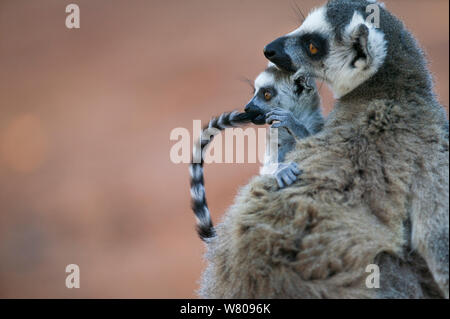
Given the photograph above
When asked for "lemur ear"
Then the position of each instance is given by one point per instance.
(360, 42)
(303, 82)
(299, 85)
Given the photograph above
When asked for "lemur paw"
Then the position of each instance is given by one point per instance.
(284, 117)
(286, 174)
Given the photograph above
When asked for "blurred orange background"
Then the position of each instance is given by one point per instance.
(85, 173)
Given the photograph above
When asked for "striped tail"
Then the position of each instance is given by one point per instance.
(205, 228)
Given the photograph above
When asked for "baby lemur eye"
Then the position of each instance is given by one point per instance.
(313, 49)
(267, 96)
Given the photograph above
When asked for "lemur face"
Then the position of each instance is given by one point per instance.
(277, 88)
(334, 44)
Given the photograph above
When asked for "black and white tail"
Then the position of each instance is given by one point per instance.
(205, 228)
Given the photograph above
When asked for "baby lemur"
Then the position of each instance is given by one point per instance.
(294, 103)
(290, 101)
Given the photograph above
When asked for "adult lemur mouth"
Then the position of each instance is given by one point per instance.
(284, 63)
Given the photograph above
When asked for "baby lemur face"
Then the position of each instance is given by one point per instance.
(277, 88)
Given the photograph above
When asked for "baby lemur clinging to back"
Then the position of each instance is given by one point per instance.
(291, 101)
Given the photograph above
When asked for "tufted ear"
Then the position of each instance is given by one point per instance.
(360, 44)
(367, 42)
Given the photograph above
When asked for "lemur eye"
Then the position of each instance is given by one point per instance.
(313, 49)
(267, 96)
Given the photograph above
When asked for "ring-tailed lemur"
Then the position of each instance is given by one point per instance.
(374, 182)
(291, 101)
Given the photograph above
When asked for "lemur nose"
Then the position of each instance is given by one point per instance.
(269, 53)
(275, 52)
(274, 48)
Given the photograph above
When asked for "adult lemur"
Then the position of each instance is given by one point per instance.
(374, 187)
(292, 101)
